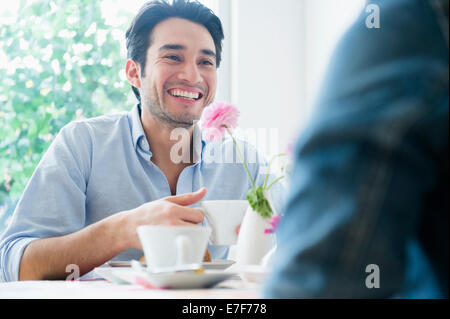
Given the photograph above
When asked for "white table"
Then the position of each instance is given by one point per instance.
(233, 288)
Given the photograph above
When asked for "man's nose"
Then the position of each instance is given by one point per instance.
(190, 73)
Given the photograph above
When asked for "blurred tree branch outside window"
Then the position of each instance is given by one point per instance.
(59, 61)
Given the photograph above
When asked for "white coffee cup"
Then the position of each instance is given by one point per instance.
(169, 246)
(224, 216)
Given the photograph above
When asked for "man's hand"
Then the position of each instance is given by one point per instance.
(47, 258)
(170, 210)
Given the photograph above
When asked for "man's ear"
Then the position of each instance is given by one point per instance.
(133, 72)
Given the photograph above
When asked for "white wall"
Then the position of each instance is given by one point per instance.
(267, 66)
(279, 50)
(325, 23)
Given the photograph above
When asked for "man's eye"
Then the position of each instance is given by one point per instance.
(173, 57)
(207, 62)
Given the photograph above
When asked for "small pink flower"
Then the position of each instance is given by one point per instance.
(216, 118)
(290, 147)
(274, 223)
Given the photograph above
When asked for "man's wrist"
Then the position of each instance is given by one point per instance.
(119, 229)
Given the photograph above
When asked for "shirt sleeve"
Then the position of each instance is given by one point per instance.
(53, 203)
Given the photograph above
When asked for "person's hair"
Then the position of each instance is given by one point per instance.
(153, 12)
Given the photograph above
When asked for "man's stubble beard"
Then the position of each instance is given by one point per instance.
(155, 105)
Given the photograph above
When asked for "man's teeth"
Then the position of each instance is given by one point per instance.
(184, 94)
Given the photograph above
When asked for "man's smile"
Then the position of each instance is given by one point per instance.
(186, 94)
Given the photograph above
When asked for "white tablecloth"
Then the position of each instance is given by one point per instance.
(102, 289)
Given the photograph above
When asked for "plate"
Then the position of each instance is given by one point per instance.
(214, 264)
(107, 273)
(122, 263)
(218, 264)
(179, 280)
(254, 273)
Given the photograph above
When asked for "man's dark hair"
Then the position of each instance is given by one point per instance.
(154, 12)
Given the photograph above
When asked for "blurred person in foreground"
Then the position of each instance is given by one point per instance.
(367, 214)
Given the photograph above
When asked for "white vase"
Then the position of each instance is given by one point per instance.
(253, 244)
(269, 258)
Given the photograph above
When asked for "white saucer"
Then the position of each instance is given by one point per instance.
(179, 280)
(106, 273)
(122, 263)
(218, 264)
(214, 264)
(253, 273)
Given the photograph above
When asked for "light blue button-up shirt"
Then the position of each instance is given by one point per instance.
(101, 166)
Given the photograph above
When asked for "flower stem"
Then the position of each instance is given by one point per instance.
(268, 169)
(241, 157)
(281, 177)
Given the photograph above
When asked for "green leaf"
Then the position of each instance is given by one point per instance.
(33, 131)
(259, 202)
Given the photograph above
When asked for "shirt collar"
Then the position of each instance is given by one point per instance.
(137, 131)
(138, 134)
(198, 143)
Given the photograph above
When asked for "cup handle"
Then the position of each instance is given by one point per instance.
(183, 245)
(210, 221)
(202, 210)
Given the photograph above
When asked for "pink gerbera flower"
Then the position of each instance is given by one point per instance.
(217, 119)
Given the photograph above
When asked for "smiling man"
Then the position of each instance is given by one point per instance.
(179, 78)
(103, 177)
(174, 85)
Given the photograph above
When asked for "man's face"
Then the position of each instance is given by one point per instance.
(180, 72)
